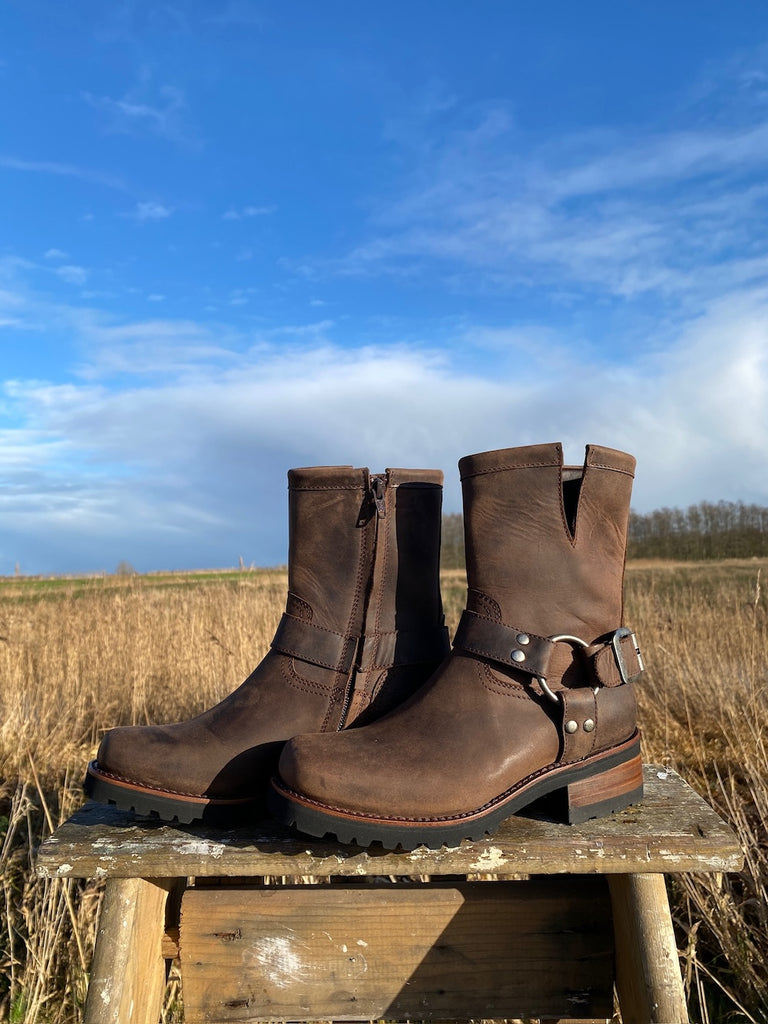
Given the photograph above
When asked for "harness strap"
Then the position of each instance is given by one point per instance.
(609, 662)
(307, 642)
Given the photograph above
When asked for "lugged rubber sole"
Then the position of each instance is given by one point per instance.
(599, 785)
(129, 796)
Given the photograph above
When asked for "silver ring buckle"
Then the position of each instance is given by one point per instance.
(554, 639)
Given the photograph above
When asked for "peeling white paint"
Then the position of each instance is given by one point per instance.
(490, 860)
(277, 957)
(63, 869)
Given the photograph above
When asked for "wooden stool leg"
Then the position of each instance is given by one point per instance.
(648, 979)
(128, 971)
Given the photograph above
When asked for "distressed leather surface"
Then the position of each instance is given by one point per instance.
(353, 576)
(534, 562)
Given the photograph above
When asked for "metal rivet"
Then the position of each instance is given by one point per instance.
(589, 725)
(518, 655)
(523, 638)
(571, 726)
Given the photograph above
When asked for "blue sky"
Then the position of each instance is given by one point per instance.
(241, 236)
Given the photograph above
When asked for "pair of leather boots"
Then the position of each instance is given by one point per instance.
(361, 722)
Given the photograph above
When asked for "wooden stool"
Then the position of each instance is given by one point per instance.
(541, 920)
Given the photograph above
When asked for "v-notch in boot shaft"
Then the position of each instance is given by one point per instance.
(362, 629)
(537, 696)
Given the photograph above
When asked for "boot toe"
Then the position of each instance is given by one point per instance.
(135, 754)
(304, 765)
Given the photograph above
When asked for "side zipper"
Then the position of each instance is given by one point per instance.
(378, 490)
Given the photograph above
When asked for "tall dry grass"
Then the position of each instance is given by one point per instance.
(75, 660)
(703, 710)
(78, 658)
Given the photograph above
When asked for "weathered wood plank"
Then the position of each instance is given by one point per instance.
(648, 980)
(398, 952)
(673, 829)
(128, 971)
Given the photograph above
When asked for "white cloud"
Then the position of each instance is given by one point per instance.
(147, 348)
(56, 254)
(147, 108)
(247, 211)
(674, 216)
(185, 462)
(151, 211)
(11, 300)
(258, 211)
(63, 170)
(72, 274)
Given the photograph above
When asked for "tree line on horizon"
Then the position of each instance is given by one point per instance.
(707, 530)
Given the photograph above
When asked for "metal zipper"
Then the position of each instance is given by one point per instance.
(378, 488)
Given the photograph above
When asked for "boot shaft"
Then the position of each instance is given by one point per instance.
(361, 631)
(545, 543)
(364, 583)
(331, 539)
(405, 591)
(364, 550)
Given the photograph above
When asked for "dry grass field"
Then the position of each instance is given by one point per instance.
(80, 656)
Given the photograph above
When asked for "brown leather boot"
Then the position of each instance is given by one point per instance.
(536, 697)
(363, 628)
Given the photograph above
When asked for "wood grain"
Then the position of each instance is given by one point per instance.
(128, 972)
(673, 829)
(367, 952)
(648, 980)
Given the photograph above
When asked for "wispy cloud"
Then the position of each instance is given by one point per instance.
(247, 211)
(155, 348)
(72, 274)
(63, 170)
(235, 13)
(151, 211)
(147, 108)
(648, 213)
(206, 421)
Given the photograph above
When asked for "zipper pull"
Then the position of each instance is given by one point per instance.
(378, 487)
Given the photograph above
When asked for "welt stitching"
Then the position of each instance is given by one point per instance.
(150, 789)
(443, 817)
